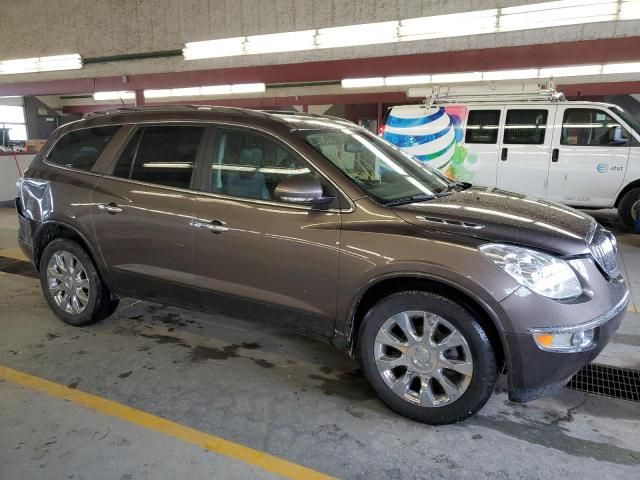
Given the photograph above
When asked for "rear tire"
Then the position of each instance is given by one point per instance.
(627, 208)
(443, 369)
(72, 285)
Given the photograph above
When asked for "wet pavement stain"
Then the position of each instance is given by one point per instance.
(201, 353)
(555, 438)
(348, 385)
(251, 346)
(326, 370)
(263, 363)
(125, 374)
(73, 384)
(165, 339)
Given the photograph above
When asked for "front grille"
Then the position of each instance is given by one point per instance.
(607, 381)
(604, 252)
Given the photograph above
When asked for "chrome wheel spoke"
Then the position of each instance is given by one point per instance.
(461, 366)
(68, 283)
(454, 339)
(59, 262)
(451, 390)
(389, 363)
(427, 398)
(401, 387)
(83, 297)
(403, 321)
(386, 338)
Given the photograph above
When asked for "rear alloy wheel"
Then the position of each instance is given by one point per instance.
(427, 357)
(72, 286)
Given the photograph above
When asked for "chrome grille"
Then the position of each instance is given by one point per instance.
(603, 249)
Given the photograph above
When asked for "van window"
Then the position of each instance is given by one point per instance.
(81, 148)
(249, 165)
(525, 127)
(482, 126)
(591, 127)
(165, 155)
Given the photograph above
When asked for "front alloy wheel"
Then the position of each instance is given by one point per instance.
(68, 282)
(423, 358)
(427, 357)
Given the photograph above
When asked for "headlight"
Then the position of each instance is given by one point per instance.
(545, 274)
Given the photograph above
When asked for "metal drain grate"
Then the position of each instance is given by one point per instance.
(607, 381)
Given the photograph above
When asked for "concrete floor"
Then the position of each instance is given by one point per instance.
(279, 393)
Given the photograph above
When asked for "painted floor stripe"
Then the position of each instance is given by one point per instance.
(14, 253)
(212, 443)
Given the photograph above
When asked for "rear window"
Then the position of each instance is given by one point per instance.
(525, 127)
(482, 126)
(80, 149)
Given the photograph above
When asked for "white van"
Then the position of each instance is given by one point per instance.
(583, 154)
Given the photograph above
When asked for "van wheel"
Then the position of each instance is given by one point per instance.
(426, 357)
(72, 286)
(628, 208)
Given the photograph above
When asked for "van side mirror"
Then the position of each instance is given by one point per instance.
(302, 189)
(616, 136)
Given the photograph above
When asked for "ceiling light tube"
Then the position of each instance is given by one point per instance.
(452, 25)
(629, 10)
(552, 14)
(510, 74)
(280, 42)
(456, 77)
(610, 68)
(364, 34)
(41, 64)
(225, 47)
(362, 82)
(124, 95)
(248, 88)
(570, 71)
(407, 80)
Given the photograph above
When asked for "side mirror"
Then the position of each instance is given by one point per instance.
(301, 189)
(616, 137)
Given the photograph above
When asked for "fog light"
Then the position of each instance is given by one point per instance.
(565, 342)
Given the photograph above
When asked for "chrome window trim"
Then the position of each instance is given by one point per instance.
(593, 323)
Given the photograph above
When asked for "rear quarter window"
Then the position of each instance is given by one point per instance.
(80, 149)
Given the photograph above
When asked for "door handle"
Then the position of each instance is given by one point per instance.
(214, 226)
(555, 153)
(503, 155)
(111, 208)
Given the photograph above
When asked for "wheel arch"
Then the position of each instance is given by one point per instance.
(405, 282)
(627, 188)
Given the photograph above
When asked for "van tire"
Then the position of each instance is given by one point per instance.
(98, 303)
(438, 310)
(626, 207)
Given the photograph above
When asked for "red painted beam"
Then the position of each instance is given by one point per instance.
(580, 52)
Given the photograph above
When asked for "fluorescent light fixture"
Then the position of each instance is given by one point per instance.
(609, 68)
(553, 14)
(363, 82)
(363, 34)
(629, 9)
(125, 95)
(511, 74)
(210, 90)
(41, 64)
(456, 77)
(225, 47)
(407, 80)
(280, 42)
(453, 25)
(571, 71)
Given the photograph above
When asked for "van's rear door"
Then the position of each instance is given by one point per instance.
(525, 149)
(590, 154)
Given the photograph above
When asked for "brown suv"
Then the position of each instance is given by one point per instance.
(435, 286)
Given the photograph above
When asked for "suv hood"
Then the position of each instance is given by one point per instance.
(500, 216)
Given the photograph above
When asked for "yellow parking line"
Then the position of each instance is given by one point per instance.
(212, 443)
(632, 308)
(15, 253)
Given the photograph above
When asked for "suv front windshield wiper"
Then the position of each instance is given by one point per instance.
(410, 199)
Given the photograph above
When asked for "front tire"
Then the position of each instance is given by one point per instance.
(427, 357)
(627, 208)
(72, 285)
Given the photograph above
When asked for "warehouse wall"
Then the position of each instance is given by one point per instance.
(96, 28)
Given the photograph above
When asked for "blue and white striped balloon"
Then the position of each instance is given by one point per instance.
(427, 133)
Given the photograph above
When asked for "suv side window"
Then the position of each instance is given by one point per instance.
(591, 127)
(161, 154)
(482, 126)
(525, 127)
(249, 165)
(81, 148)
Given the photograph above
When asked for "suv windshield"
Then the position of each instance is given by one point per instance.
(380, 169)
(627, 117)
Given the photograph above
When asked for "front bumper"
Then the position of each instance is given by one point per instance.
(534, 372)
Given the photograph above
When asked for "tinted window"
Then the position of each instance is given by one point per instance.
(482, 126)
(525, 127)
(80, 149)
(166, 155)
(249, 165)
(123, 167)
(589, 127)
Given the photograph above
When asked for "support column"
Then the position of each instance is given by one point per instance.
(139, 98)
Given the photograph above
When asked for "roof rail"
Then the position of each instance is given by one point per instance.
(533, 92)
(154, 108)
